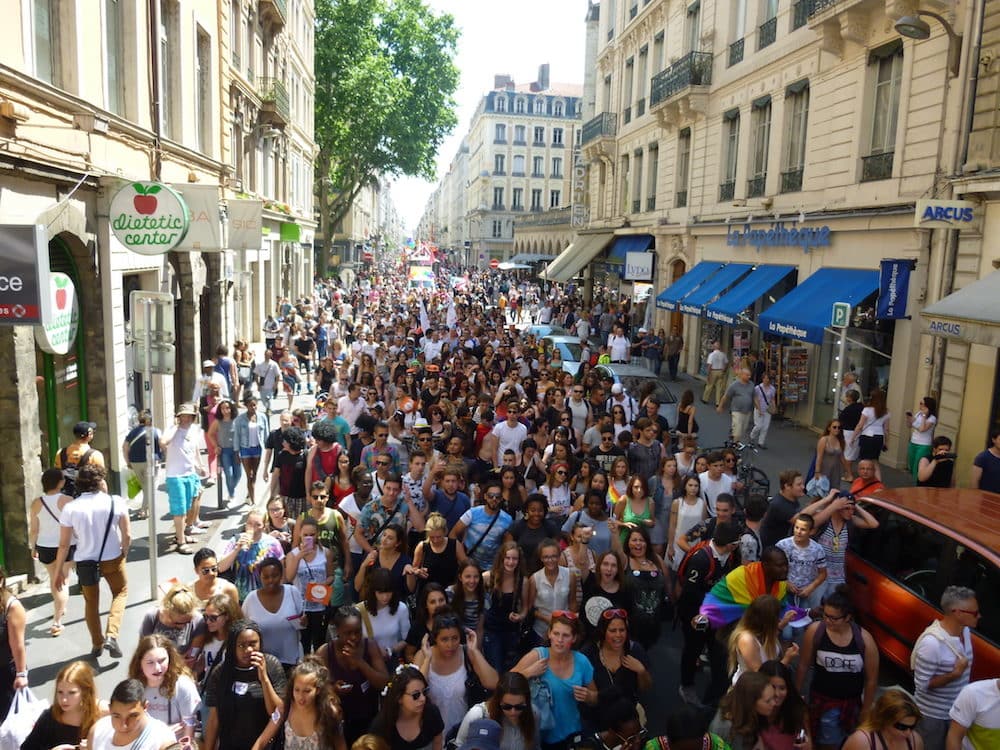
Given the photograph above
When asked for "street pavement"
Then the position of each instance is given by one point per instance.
(788, 447)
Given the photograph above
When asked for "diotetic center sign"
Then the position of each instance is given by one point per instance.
(149, 218)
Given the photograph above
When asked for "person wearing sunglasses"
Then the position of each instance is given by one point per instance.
(619, 662)
(177, 618)
(510, 708)
(557, 492)
(891, 725)
(567, 673)
(482, 528)
(208, 583)
(408, 719)
(219, 613)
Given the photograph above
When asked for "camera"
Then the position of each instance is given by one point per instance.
(946, 456)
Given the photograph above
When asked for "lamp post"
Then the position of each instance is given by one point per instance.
(913, 27)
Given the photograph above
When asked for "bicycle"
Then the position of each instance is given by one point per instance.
(754, 482)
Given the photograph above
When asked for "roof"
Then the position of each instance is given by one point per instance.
(974, 514)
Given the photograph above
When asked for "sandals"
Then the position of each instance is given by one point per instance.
(56, 630)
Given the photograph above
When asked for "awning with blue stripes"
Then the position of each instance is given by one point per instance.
(806, 311)
(669, 297)
(755, 285)
(728, 275)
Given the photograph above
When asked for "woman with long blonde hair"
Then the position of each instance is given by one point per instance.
(756, 640)
(74, 710)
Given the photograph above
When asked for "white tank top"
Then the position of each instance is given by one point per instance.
(687, 517)
(48, 521)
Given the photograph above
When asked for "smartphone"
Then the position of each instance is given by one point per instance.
(308, 541)
(800, 738)
(701, 622)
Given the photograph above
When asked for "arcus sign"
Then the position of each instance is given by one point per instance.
(935, 214)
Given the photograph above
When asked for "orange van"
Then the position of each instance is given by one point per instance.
(927, 539)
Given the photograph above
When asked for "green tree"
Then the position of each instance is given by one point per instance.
(385, 79)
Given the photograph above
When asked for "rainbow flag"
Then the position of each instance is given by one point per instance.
(730, 597)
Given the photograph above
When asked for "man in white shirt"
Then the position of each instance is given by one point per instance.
(942, 662)
(129, 724)
(268, 374)
(717, 362)
(582, 327)
(764, 396)
(204, 383)
(352, 406)
(509, 433)
(619, 346)
(975, 717)
(432, 346)
(850, 384)
(183, 443)
(715, 481)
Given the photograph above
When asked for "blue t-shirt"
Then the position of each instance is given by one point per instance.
(477, 521)
(565, 710)
(452, 510)
(600, 542)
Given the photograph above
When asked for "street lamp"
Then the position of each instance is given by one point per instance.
(914, 27)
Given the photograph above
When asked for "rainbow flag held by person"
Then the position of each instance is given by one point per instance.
(731, 595)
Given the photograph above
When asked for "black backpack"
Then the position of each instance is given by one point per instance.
(70, 471)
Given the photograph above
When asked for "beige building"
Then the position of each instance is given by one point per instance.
(777, 150)
(516, 159)
(218, 107)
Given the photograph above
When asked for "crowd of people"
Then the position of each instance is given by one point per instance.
(464, 543)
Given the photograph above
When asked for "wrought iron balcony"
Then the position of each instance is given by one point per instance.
(516, 173)
(603, 126)
(876, 167)
(499, 172)
(727, 190)
(818, 6)
(767, 33)
(681, 199)
(791, 181)
(537, 174)
(736, 52)
(694, 69)
(801, 12)
(755, 186)
(636, 206)
(274, 107)
(273, 14)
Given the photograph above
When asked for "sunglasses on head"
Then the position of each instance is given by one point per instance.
(613, 613)
(565, 614)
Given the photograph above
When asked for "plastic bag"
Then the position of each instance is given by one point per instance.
(24, 712)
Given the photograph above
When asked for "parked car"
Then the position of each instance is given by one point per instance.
(569, 348)
(928, 538)
(637, 381)
(539, 331)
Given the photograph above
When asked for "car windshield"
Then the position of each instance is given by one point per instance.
(636, 385)
(571, 352)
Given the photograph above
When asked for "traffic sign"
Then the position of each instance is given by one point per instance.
(494, 264)
(841, 317)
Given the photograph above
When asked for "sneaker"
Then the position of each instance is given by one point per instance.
(112, 647)
(203, 524)
(689, 695)
(193, 530)
(96, 651)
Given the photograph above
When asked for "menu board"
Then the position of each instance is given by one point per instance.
(794, 374)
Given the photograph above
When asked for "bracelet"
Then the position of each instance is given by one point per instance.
(23, 674)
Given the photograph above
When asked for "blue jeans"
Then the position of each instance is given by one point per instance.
(500, 648)
(232, 469)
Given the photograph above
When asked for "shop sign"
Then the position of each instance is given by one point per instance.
(59, 333)
(934, 214)
(789, 330)
(779, 236)
(578, 210)
(893, 288)
(205, 231)
(24, 273)
(149, 218)
(638, 266)
(245, 220)
(841, 317)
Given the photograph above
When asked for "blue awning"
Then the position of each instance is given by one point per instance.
(727, 308)
(805, 312)
(668, 298)
(728, 275)
(629, 243)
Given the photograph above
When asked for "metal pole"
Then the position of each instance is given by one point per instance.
(841, 357)
(149, 489)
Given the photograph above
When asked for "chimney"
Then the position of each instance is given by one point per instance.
(502, 82)
(543, 77)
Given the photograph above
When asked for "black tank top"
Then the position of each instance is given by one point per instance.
(362, 699)
(839, 670)
(442, 568)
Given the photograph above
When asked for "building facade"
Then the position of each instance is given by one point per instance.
(97, 95)
(764, 145)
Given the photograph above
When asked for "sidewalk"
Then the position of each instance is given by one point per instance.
(47, 655)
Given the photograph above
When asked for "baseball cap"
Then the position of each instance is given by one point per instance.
(207, 363)
(484, 734)
(82, 429)
(617, 388)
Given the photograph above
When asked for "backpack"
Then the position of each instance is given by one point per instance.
(682, 568)
(70, 471)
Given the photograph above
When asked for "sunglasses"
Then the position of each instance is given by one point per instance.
(560, 473)
(212, 618)
(905, 727)
(616, 612)
(519, 707)
(565, 614)
(493, 495)
(416, 694)
(213, 569)
(381, 463)
(973, 612)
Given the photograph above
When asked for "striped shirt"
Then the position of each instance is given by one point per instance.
(835, 546)
(933, 657)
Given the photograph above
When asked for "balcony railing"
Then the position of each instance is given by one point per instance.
(537, 142)
(636, 206)
(818, 6)
(517, 173)
(274, 100)
(727, 190)
(537, 174)
(767, 33)
(694, 69)
(681, 199)
(556, 175)
(791, 181)
(499, 172)
(736, 52)
(273, 14)
(876, 167)
(500, 141)
(801, 12)
(605, 125)
(520, 142)
(640, 107)
(498, 207)
(517, 208)
(626, 115)
(651, 203)
(755, 186)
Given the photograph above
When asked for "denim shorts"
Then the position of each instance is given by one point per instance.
(250, 452)
(830, 731)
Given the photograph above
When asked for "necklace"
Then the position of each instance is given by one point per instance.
(604, 663)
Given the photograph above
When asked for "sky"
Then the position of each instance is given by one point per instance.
(501, 36)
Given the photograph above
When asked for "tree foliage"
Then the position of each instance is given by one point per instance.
(385, 79)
